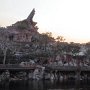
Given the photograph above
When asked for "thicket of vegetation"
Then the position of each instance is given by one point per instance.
(42, 46)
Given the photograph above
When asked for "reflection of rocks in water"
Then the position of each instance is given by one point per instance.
(43, 85)
(36, 85)
(40, 85)
(4, 86)
(52, 81)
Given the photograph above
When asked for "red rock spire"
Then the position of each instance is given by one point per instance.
(31, 15)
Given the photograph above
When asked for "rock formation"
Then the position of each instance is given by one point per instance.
(22, 31)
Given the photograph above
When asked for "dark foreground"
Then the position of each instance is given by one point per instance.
(44, 85)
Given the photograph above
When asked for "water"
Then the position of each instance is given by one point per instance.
(43, 85)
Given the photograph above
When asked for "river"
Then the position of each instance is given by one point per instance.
(43, 85)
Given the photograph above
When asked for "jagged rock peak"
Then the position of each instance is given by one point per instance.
(31, 15)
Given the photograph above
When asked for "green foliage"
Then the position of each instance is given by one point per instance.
(60, 39)
(23, 25)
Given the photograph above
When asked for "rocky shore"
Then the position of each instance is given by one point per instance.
(40, 74)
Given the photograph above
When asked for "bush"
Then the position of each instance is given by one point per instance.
(23, 25)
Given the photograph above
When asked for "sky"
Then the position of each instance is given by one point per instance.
(67, 18)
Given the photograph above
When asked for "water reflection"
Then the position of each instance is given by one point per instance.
(43, 85)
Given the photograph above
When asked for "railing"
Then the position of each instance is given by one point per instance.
(68, 68)
(16, 66)
(49, 67)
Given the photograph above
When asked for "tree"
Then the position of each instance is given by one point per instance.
(60, 44)
(43, 44)
(5, 46)
(45, 39)
(60, 39)
(5, 43)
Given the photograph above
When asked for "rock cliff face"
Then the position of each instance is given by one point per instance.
(22, 31)
(38, 73)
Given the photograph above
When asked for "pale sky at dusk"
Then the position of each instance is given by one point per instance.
(68, 18)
